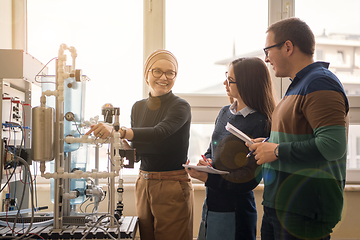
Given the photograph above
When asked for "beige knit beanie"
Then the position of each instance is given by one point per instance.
(157, 55)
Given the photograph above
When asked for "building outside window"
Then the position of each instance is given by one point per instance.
(339, 41)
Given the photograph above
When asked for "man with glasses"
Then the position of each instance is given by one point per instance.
(304, 161)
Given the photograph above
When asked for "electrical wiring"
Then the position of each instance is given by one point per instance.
(22, 139)
(7, 148)
(102, 226)
(21, 201)
(15, 155)
(21, 178)
(33, 180)
(6, 183)
(35, 172)
(22, 211)
(15, 185)
(88, 205)
(36, 224)
(21, 230)
(99, 222)
(18, 208)
(32, 207)
(17, 160)
(49, 222)
(22, 220)
(24, 120)
(77, 127)
(20, 148)
(11, 125)
(43, 69)
(23, 116)
(36, 235)
(87, 199)
(106, 232)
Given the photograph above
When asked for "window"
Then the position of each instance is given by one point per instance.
(319, 54)
(108, 39)
(209, 35)
(354, 147)
(338, 38)
(340, 57)
(205, 42)
(200, 136)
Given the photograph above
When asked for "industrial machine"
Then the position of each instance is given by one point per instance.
(54, 132)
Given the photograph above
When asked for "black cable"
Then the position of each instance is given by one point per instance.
(21, 143)
(9, 178)
(22, 200)
(32, 204)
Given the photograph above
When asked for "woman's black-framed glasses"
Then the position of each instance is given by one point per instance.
(157, 73)
(229, 80)
(272, 46)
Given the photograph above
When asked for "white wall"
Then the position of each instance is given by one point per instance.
(5, 24)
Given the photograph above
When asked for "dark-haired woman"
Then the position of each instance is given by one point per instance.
(229, 210)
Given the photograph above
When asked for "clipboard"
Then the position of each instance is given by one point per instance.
(207, 169)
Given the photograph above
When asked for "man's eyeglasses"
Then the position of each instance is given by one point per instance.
(157, 73)
(272, 46)
(229, 80)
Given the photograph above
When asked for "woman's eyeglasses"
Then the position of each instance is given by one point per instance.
(157, 73)
(229, 80)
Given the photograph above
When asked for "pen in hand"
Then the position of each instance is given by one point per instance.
(205, 159)
(251, 153)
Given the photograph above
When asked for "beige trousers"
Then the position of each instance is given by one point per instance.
(164, 209)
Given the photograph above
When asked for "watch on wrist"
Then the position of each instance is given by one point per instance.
(276, 151)
(124, 132)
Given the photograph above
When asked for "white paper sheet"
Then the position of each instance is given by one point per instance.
(207, 169)
(238, 133)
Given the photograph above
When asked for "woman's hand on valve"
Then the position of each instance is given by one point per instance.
(100, 130)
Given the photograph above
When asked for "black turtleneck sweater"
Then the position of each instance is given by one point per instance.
(161, 127)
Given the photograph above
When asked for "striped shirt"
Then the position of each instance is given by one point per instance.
(309, 124)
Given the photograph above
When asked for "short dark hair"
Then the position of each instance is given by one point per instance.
(254, 84)
(295, 30)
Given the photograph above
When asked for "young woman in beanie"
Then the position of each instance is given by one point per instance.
(160, 131)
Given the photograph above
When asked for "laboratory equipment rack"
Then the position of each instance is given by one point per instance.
(128, 229)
